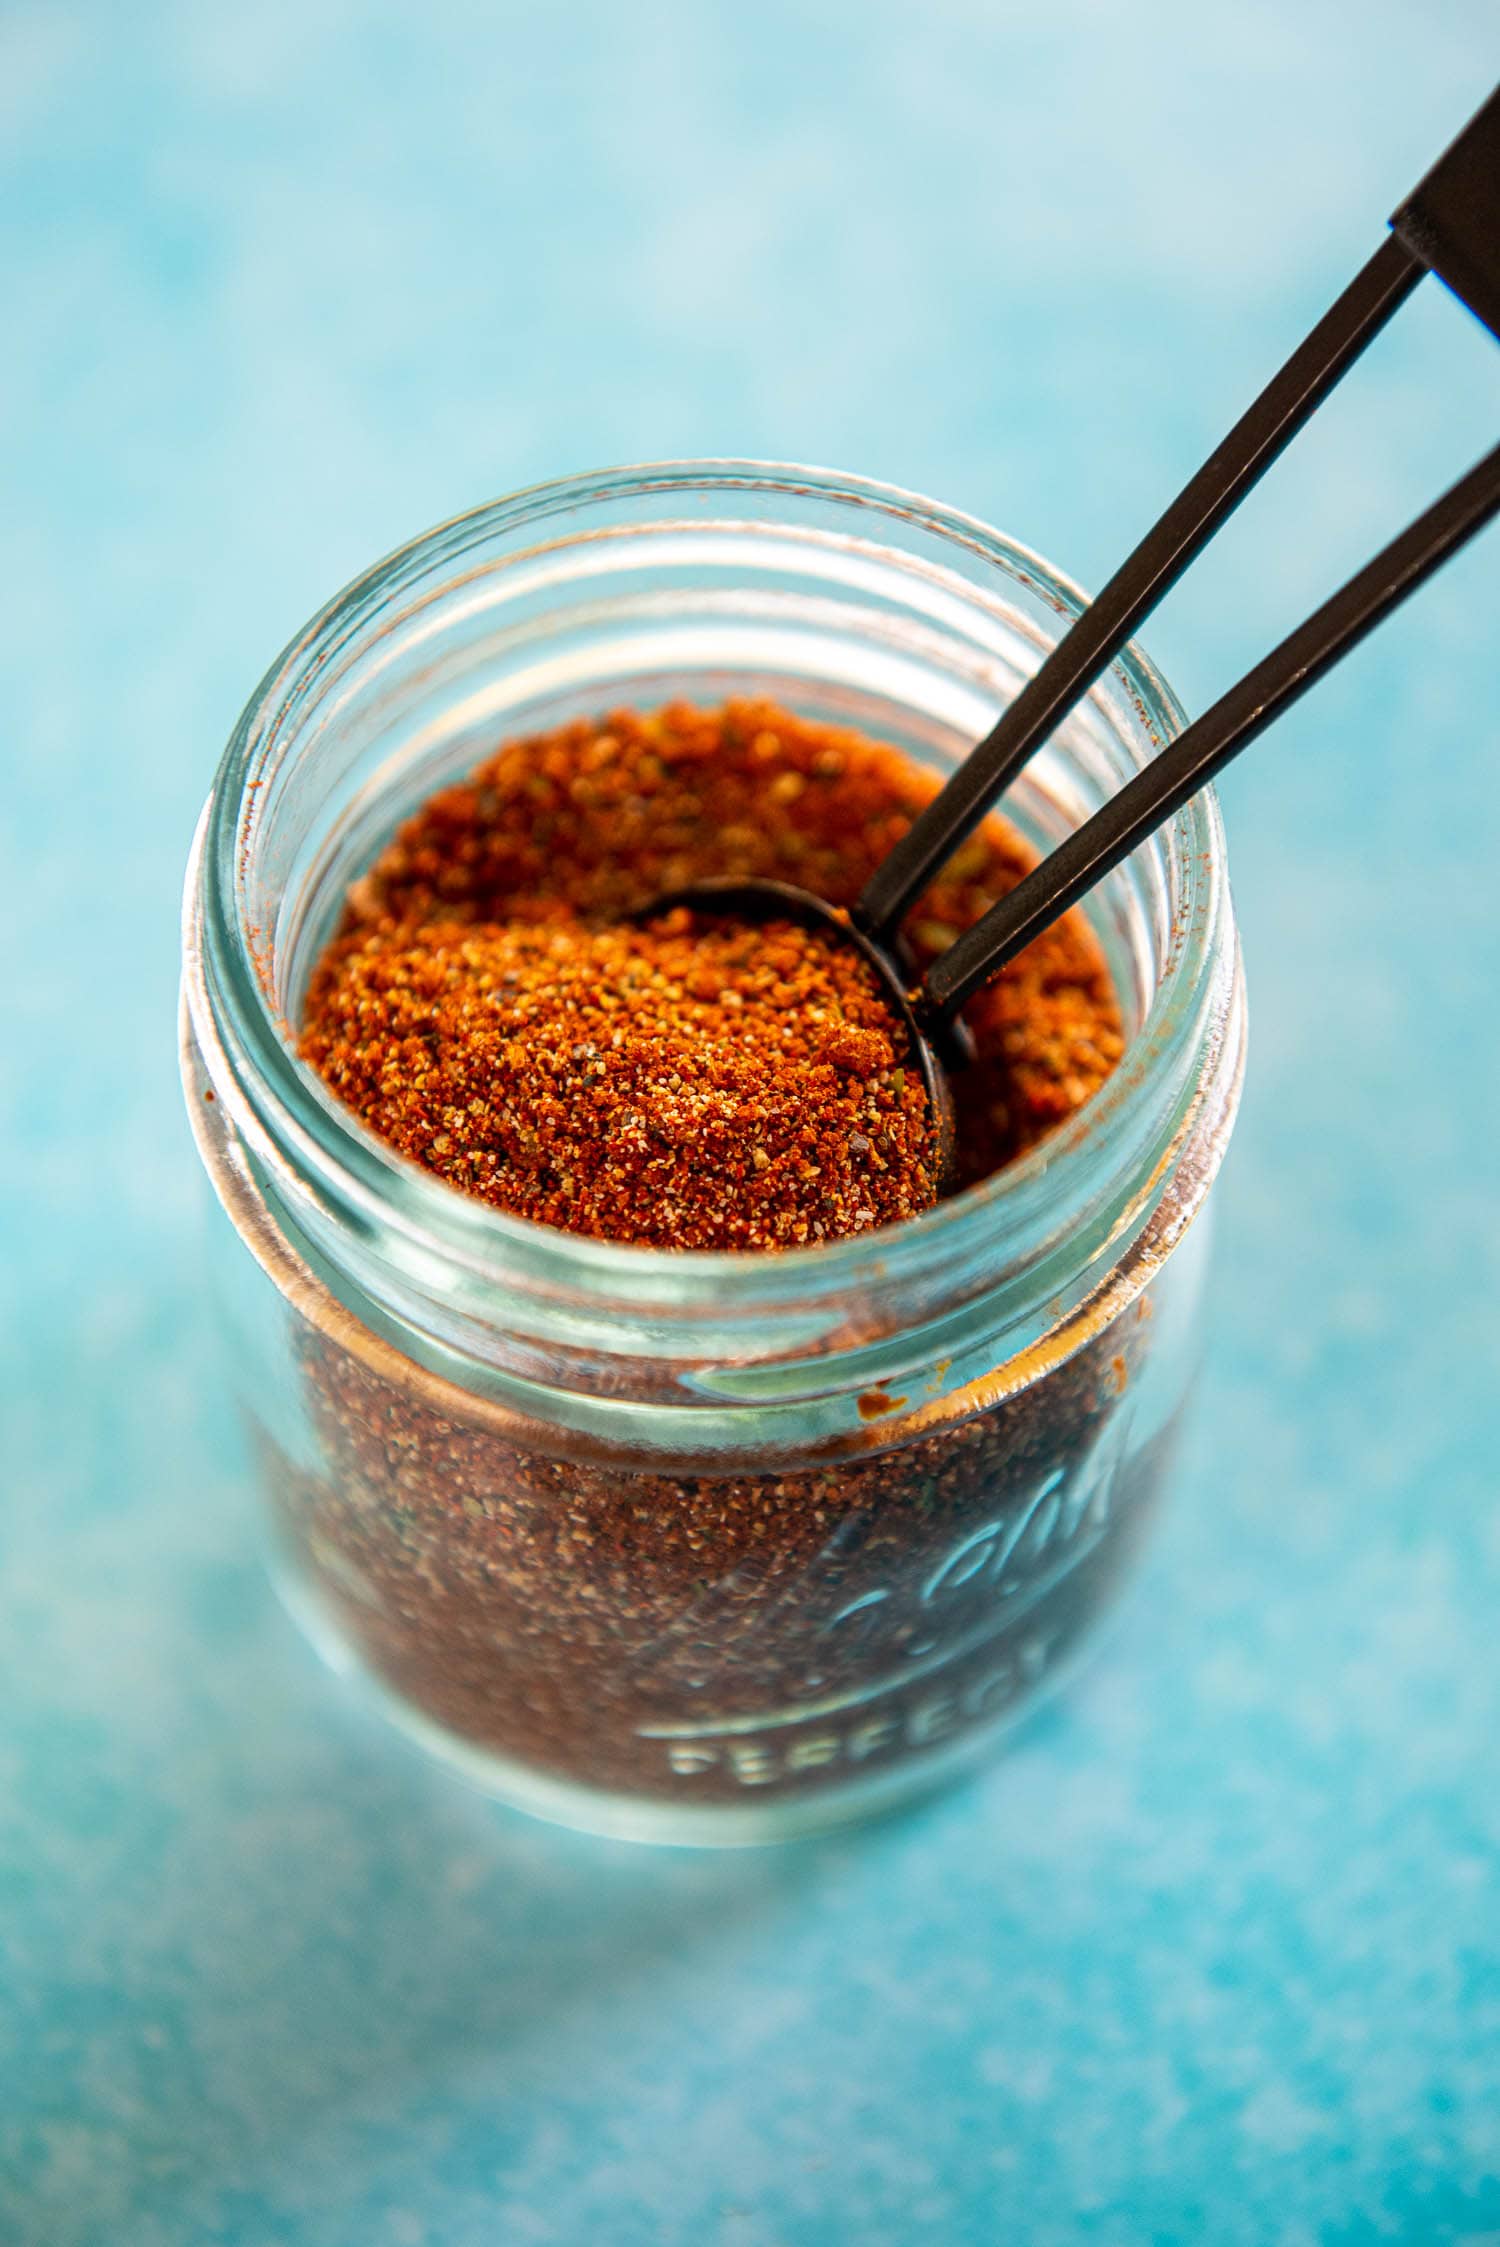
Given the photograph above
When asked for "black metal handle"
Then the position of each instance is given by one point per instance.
(1450, 224)
(1189, 762)
(1452, 221)
(1234, 469)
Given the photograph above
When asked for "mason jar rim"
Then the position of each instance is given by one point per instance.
(300, 1134)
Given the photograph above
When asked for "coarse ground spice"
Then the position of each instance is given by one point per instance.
(428, 1013)
(634, 1624)
(691, 1083)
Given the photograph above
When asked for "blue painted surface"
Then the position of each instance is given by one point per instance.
(1215, 1955)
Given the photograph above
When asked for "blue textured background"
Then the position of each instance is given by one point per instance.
(1215, 1955)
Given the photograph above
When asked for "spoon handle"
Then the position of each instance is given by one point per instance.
(1207, 745)
(1234, 469)
(1449, 225)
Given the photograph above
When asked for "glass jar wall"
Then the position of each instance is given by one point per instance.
(698, 1547)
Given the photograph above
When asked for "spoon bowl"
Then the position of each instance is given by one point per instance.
(1450, 226)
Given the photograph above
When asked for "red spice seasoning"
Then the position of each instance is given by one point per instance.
(695, 1630)
(691, 1083)
(430, 1012)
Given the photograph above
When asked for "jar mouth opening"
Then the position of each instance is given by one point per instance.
(301, 1135)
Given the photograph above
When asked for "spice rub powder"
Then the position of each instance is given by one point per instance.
(686, 1083)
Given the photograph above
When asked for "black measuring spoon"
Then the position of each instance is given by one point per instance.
(1449, 226)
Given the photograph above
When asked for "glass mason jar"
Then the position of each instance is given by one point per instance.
(698, 1547)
